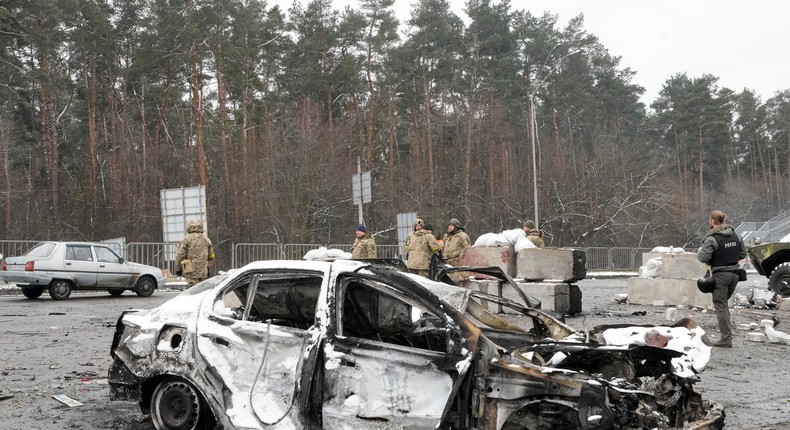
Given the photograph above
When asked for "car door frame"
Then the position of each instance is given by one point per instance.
(342, 352)
(218, 334)
(83, 273)
(112, 274)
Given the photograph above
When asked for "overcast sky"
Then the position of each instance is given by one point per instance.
(744, 43)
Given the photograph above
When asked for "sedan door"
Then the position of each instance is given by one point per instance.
(393, 361)
(255, 337)
(112, 272)
(80, 265)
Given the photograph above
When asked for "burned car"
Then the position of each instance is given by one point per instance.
(349, 344)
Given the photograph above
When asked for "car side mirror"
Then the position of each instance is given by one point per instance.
(121, 260)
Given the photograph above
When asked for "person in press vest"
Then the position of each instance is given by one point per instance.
(721, 249)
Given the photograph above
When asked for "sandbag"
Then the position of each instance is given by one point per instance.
(482, 241)
(513, 235)
(523, 243)
(497, 240)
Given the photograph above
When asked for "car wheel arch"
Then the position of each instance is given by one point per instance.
(58, 284)
(148, 291)
(148, 388)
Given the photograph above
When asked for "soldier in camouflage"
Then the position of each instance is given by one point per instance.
(533, 234)
(418, 223)
(195, 254)
(420, 247)
(364, 244)
(455, 241)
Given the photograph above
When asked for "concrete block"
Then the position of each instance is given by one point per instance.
(756, 337)
(560, 264)
(502, 257)
(681, 266)
(673, 292)
(575, 299)
(553, 296)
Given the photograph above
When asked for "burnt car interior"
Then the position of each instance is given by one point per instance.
(368, 313)
(283, 300)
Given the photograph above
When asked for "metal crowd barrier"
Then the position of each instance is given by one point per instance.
(382, 251)
(157, 254)
(162, 255)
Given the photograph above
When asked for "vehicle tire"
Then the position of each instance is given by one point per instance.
(177, 404)
(115, 292)
(32, 292)
(779, 281)
(60, 289)
(145, 287)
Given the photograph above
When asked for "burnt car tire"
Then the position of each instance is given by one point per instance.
(115, 292)
(145, 287)
(779, 281)
(60, 289)
(177, 404)
(32, 292)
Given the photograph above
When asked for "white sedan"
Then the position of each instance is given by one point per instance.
(61, 267)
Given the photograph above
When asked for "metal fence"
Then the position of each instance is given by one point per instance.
(382, 251)
(157, 254)
(231, 255)
(245, 253)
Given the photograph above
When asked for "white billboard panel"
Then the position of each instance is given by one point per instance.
(405, 226)
(360, 187)
(179, 205)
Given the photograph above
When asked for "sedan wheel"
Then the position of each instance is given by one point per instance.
(60, 289)
(145, 287)
(32, 292)
(176, 404)
(115, 292)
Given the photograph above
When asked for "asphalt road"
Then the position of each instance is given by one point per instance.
(52, 347)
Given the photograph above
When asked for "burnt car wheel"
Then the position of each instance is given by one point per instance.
(145, 287)
(32, 292)
(115, 292)
(177, 405)
(60, 289)
(779, 281)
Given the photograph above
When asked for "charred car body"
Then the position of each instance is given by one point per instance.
(345, 344)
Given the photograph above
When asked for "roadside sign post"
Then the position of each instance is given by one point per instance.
(361, 189)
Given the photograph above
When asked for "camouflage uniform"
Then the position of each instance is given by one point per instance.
(364, 247)
(455, 243)
(196, 248)
(420, 248)
(417, 223)
(536, 237)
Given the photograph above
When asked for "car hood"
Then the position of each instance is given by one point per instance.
(180, 310)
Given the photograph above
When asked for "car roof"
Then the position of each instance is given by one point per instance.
(69, 242)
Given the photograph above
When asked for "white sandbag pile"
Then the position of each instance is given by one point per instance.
(326, 254)
(506, 238)
(652, 269)
(668, 250)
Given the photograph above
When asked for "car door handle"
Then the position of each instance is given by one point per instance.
(68, 264)
(221, 341)
(101, 265)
